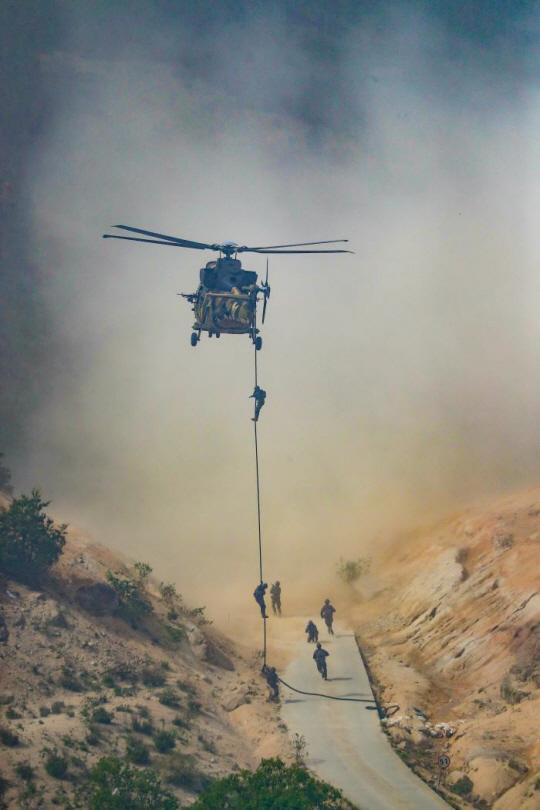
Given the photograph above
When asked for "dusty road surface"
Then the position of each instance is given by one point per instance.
(346, 744)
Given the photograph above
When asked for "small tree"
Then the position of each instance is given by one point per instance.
(142, 572)
(170, 595)
(272, 785)
(115, 785)
(30, 543)
(351, 570)
(132, 606)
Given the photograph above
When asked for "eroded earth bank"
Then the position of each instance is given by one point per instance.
(450, 626)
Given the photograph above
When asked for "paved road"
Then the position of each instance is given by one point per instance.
(346, 744)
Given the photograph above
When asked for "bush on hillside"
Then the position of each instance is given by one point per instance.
(273, 785)
(114, 785)
(30, 543)
(351, 570)
(132, 606)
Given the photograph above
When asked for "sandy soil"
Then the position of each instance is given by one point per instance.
(60, 663)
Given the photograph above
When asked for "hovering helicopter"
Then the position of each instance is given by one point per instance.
(225, 301)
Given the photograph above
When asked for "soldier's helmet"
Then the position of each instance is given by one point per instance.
(277, 581)
(327, 601)
(319, 645)
(272, 669)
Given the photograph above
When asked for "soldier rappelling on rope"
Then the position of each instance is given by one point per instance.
(259, 594)
(272, 680)
(259, 395)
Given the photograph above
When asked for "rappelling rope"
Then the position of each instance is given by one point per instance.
(258, 500)
(382, 711)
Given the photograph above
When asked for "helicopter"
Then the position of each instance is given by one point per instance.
(226, 298)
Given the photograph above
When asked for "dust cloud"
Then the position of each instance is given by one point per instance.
(402, 380)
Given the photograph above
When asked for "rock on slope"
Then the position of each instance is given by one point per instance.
(454, 630)
(78, 682)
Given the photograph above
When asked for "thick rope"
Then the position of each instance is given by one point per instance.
(382, 711)
(258, 499)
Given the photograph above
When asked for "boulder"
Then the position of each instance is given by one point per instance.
(98, 598)
(238, 698)
(6, 698)
(4, 632)
(205, 650)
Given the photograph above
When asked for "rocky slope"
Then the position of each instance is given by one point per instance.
(451, 628)
(78, 682)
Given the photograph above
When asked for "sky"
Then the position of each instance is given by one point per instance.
(402, 380)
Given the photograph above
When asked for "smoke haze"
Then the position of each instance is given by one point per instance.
(402, 381)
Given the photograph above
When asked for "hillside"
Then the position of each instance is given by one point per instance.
(450, 624)
(79, 682)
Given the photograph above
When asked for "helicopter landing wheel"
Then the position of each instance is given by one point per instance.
(258, 343)
(194, 338)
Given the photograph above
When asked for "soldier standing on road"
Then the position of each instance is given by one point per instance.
(259, 395)
(320, 656)
(275, 595)
(311, 630)
(259, 594)
(273, 683)
(327, 613)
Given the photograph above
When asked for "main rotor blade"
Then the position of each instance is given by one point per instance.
(296, 244)
(277, 252)
(183, 242)
(135, 239)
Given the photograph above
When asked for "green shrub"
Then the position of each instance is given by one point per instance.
(142, 572)
(56, 765)
(197, 615)
(142, 726)
(351, 570)
(69, 680)
(44, 711)
(152, 676)
(29, 542)
(24, 771)
(101, 715)
(181, 772)
(58, 707)
(169, 698)
(290, 788)
(8, 737)
(207, 745)
(132, 606)
(137, 752)
(463, 786)
(181, 722)
(165, 741)
(114, 785)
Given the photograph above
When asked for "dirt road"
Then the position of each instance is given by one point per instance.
(346, 744)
